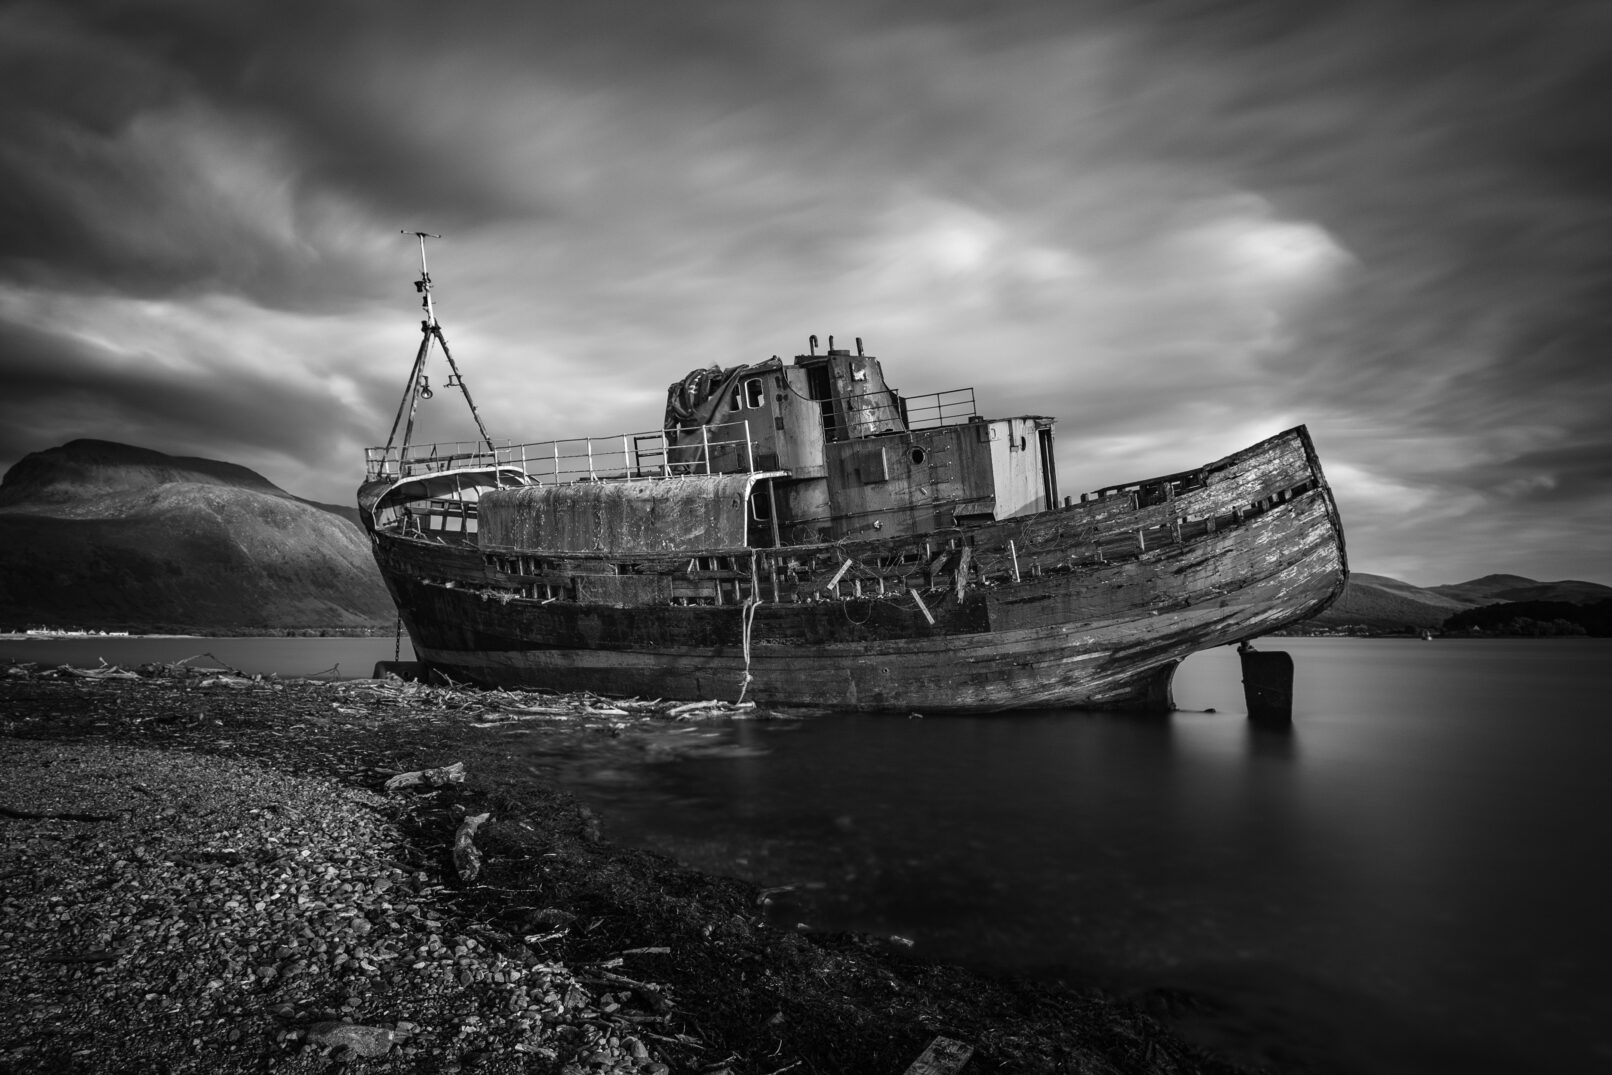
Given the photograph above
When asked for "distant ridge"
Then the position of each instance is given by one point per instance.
(103, 535)
(1379, 603)
(1491, 589)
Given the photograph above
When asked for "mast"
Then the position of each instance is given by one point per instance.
(418, 388)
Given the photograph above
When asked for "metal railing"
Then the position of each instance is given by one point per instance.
(933, 409)
(718, 449)
(886, 411)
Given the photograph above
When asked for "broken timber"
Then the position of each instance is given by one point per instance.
(436, 778)
(943, 1056)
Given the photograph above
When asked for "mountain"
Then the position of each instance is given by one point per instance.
(1380, 603)
(1494, 589)
(101, 535)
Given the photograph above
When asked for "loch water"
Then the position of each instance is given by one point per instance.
(1413, 878)
(328, 658)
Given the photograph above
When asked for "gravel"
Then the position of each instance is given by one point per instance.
(219, 916)
(204, 871)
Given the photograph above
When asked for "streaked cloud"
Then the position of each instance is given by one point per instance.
(1178, 226)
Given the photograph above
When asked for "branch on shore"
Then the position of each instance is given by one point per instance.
(447, 774)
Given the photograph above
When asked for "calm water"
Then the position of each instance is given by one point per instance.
(351, 658)
(1414, 879)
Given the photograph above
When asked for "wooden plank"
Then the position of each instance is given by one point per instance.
(944, 1056)
(916, 596)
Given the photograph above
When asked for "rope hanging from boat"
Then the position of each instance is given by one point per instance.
(747, 620)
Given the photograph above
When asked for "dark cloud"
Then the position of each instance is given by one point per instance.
(1177, 225)
(58, 391)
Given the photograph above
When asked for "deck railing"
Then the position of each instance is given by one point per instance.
(717, 449)
(886, 411)
(933, 409)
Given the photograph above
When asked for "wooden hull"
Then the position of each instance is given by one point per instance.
(1089, 606)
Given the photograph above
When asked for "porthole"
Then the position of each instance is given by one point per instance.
(917, 455)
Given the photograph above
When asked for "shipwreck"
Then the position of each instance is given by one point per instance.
(800, 533)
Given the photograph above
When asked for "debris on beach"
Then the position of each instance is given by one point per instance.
(484, 708)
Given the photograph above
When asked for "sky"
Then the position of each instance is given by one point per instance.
(1176, 225)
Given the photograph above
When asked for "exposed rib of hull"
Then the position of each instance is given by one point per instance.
(1089, 606)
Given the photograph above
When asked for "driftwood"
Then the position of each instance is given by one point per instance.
(650, 995)
(718, 707)
(106, 671)
(465, 856)
(447, 774)
(943, 1057)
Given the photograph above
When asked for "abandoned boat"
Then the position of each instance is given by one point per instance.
(800, 533)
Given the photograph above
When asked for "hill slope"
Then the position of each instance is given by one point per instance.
(1384, 604)
(103, 535)
(1493, 589)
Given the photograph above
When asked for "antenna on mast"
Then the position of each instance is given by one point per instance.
(418, 387)
(423, 284)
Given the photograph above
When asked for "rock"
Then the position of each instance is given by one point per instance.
(466, 857)
(363, 1040)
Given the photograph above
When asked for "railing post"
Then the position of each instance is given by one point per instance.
(749, 449)
(628, 463)
(705, 446)
(555, 445)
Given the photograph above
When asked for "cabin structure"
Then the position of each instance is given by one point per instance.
(850, 457)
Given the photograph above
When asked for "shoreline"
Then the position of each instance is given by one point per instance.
(563, 950)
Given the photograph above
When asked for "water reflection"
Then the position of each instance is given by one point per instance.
(1398, 851)
(1040, 840)
(1276, 742)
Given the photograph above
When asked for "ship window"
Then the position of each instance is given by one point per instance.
(754, 392)
(760, 509)
(917, 456)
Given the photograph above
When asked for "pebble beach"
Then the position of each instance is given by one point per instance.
(202, 871)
